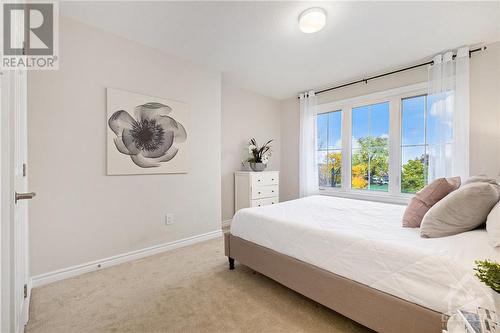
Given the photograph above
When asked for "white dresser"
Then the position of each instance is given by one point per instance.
(255, 189)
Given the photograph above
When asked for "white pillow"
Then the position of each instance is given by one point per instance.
(461, 210)
(480, 179)
(493, 226)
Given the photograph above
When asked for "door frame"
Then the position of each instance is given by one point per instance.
(6, 208)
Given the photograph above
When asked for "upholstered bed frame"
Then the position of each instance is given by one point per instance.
(370, 307)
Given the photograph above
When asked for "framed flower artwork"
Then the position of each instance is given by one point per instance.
(145, 134)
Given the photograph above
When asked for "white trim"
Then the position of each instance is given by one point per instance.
(395, 162)
(393, 97)
(4, 203)
(377, 96)
(346, 147)
(226, 223)
(8, 322)
(401, 199)
(61, 274)
(6, 319)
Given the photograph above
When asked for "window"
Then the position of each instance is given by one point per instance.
(421, 133)
(370, 147)
(329, 148)
(414, 158)
(385, 143)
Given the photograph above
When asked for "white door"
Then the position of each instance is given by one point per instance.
(14, 195)
(15, 289)
(21, 196)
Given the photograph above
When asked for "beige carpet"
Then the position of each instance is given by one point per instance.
(185, 290)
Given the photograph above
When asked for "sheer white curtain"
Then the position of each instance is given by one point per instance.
(448, 117)
(308, 169)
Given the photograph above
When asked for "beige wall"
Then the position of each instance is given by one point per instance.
(80, 214)
(484, 122)
(289, 173)
(245, 115)
(485, 112)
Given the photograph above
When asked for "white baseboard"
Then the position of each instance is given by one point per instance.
(61, 274)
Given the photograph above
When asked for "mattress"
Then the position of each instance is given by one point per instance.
(364, 241)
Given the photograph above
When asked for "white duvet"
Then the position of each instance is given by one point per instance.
(364, 241)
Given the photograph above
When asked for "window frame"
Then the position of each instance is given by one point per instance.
(401, 146)
(353, 106)
(394, 97)
(327, 143)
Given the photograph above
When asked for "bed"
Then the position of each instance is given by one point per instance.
(354, 257)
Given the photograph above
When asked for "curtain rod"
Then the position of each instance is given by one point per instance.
(390, 73)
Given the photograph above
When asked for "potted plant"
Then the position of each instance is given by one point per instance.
(259, 156)
(489, 273)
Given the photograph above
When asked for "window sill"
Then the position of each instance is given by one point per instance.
(402, 199)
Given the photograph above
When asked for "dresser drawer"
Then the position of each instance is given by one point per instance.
(262, 179)
(265, 191)
(254, 189)
(264, 202)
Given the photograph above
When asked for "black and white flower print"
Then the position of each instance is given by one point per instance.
(150, 138)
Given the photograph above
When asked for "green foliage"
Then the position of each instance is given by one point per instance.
(413, 176)
(375, 150)
(489, 273)
(372, 157)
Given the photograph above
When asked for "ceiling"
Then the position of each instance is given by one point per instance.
(258, 46)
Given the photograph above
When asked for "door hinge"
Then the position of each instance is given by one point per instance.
(25, 291)
(24, 169)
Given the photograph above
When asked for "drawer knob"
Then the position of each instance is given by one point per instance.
(272, 203)
(259, 205)
(258, 180)
(272, 191)
(259, 192)
(272, 178)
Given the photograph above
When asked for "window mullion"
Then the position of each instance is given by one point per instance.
(328, 148)
(369, 147)
(346, 147)
(426, 160)
(394, 145)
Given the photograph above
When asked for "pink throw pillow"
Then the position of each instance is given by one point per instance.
(426, 198)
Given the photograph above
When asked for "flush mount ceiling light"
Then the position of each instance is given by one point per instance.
(312, 20)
